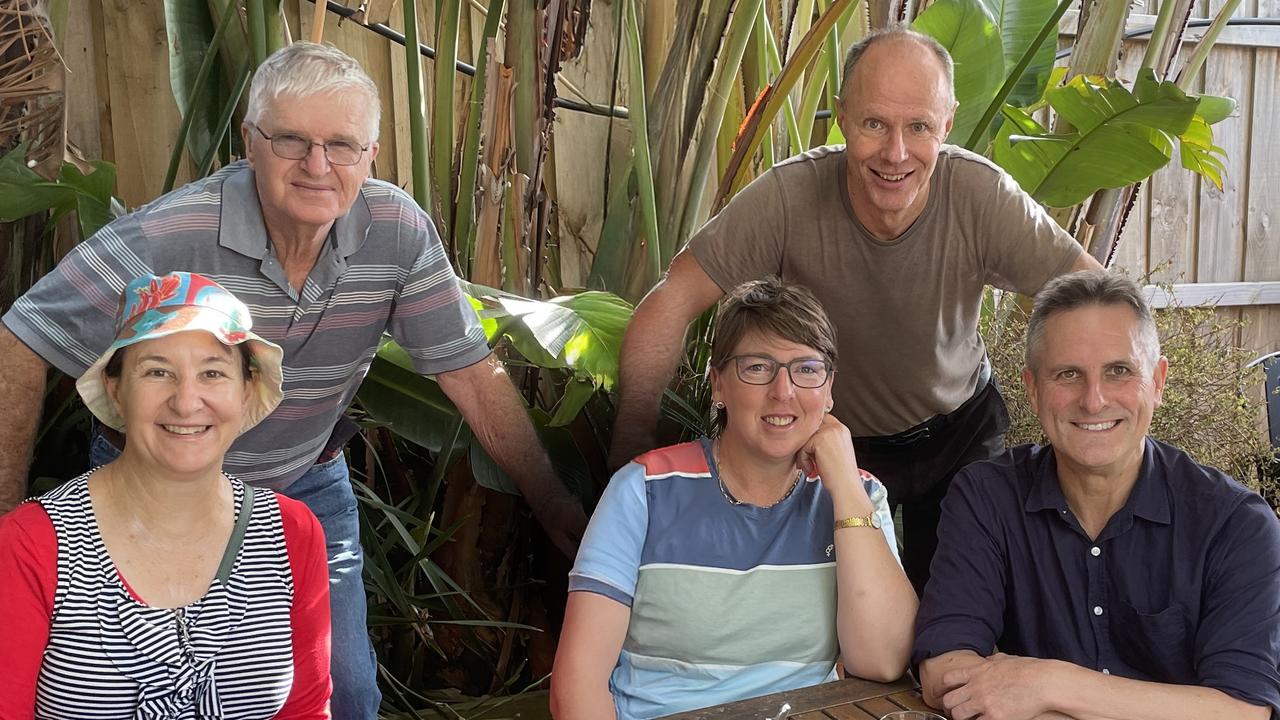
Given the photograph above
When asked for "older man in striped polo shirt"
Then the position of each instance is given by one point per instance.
(327, 260)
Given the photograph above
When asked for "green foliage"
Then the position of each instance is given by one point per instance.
(1118, 137)
(24, 193)
(968, 31)
(1206, 409)
(1019, 23)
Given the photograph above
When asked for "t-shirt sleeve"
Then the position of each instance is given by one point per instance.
(309, 617)
(1237, 643)
(608, 561)
(963, 603)
(433, 320)
(745, 240)
(1022, 247)
(28, 580)
(879, 497)
(67, 317)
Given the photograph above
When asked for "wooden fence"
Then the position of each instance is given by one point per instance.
(1219, 245)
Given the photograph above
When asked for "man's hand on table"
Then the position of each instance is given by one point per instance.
(1000, 687)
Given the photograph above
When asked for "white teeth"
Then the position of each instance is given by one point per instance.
(1099, 426)
(779, 421)
(185, 430)
(891, 178)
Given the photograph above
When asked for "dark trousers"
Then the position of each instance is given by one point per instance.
(917, 465)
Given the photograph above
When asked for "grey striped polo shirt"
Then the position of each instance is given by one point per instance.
(382, 269)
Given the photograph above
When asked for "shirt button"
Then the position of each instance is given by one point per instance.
(1097, 609)
(1095, 551)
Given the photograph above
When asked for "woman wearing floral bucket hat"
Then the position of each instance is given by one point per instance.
(156, 586)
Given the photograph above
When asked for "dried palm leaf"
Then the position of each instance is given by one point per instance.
(32, 83)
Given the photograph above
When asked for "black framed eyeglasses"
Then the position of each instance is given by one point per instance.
(293, 147)
(762, 369)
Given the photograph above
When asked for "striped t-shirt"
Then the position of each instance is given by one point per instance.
(727, 601)
(382, 269)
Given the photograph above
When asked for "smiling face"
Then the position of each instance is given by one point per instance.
(769, 423)
(1095, 390)
(896, 114)
(182, 397)
(305, 196)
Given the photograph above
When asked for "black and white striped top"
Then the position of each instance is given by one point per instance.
(227, 655)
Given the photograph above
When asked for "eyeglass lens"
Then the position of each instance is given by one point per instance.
(292, 147)
(805, 373)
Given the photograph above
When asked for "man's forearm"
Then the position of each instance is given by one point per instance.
(650, 351)
(488, 401)
(492, 408)
(1084, 694)
(21, 395)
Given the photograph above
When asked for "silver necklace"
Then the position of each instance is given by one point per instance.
(724, 489)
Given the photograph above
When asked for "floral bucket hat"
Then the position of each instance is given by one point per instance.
(153, 307)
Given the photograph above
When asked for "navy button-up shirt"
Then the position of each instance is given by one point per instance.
(1181, 586)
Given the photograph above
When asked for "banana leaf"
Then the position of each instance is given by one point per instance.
(190, 31)
(1020, 22)
(1119, 137)
(582, 332)
(23, 192)
(968, 31)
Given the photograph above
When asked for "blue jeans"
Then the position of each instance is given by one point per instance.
(326, 490)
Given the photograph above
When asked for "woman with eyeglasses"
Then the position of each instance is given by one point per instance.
(743, 564)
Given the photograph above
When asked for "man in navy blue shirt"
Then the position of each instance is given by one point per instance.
(1116, 576)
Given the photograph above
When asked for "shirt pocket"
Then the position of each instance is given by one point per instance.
(1158, 644)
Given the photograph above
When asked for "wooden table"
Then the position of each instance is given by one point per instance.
(849, 699)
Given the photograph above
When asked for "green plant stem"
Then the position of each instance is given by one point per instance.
(757, 126)
(417, 120)
(997, 102)
(640, 138)
(273, 27)
(773, 61)
(464, 222)
(202, 78)
(443, 111)
(522, 57)
(1159, 37)
(256, 20)
(1188, 74)
(704, 143)
(228, 112)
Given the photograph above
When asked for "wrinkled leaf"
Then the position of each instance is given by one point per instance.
(966, 29)
(1119, 137)
(189, 29)
(1213, 109)
(1019, 22)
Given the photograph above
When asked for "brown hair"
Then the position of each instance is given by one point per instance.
(770, 307)
(116, 363)
(1088, 288)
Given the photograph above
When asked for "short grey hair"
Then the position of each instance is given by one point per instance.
(304, 69)
(897, 31)
(1091, 288)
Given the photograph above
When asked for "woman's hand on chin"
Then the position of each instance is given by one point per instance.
(829, 453)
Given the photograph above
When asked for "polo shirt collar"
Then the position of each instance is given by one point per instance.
(243, 230)
(1148, 500)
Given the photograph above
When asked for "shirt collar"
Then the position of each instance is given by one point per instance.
(1148, 500)
(243, 230)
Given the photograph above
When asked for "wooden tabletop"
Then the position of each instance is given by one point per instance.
(849, 699)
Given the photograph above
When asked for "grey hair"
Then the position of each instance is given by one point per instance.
(897, 31)
(304, 69)
(1091, 288)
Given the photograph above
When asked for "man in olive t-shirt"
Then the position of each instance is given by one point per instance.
(897, 234)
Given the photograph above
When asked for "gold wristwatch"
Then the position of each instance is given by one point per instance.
(871, 521)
